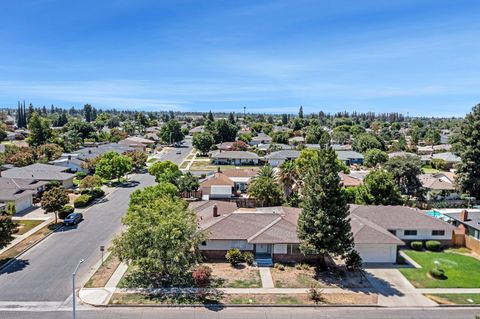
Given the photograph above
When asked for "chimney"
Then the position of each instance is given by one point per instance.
(464, 215)
(215, 211)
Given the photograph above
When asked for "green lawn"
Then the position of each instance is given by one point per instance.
(427, 169)
(26, 225)
(459, 269)
(459, 299)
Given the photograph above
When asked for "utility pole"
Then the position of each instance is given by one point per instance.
(73, 287)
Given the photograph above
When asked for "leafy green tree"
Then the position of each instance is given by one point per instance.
(54, 199)
(81, 129)
(171, 132)
(315, 134)
(151, 193)
(203, 142)
(302, 162)
(113, 122)
(90, 182)
(11, 209)
(113, 165)
(139, 159)
(280, 137)
(3, 132)
(187, 183)
(356, 130)
(266, 191)
(439, 164)
(432, 136)
(231, 118)
(378, 188)
(7, 229)
(174, 251)
(40, 130)
(468, 170)
(165, 171)
(405, 171)
(49, 151)
(225, 131)
(323, 225)
(374, 157)
(365, 141)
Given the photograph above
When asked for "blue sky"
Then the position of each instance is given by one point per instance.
(418, 56)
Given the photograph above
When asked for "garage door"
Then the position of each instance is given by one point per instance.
(23, 203)
(378, 253)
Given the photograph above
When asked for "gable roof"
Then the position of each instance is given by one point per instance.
(366, 232)
(398, 217)
(38, 172)
(240, 172)
(346, 155)
(235, 155)
(348, 180)
(436, 182)
(217, 179)
(447, 157)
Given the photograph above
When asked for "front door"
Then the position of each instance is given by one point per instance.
(263, 248)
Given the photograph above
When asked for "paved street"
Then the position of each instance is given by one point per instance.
(253, 313)
(44, 272)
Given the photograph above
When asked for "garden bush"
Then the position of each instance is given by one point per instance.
(433, 245)
(234, 256)
(316, 295)
(97, 192)
(248, 258)
(202, 276)
(279, 266)
(66, 210)
(437, 273)
(416, 245)
(80, 175)
(82, 200)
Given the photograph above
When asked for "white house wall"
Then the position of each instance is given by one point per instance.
(226, 245)
(220, 191)
(424, 234)
(377, 253)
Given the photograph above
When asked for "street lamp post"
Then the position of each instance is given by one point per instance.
(73, 286)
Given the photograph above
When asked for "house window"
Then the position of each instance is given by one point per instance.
(393, 232)
(240, 244)
(294, 249)
(438, 232)
(410, 232)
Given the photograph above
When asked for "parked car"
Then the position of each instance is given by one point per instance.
(72, 219)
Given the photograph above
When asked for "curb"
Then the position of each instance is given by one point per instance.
(28, 248)
(221, 306)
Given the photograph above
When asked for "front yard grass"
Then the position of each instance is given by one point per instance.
(427, 169)
(103, 274)
(306, 276)
(456, 299)
(460, 270)
(226, 276)
(25, 225)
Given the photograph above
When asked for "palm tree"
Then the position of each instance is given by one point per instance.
(265, 172)
(287, 176)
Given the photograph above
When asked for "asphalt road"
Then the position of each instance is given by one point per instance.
(247, 313)
(44, 272)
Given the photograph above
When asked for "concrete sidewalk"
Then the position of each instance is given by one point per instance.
(266, 277)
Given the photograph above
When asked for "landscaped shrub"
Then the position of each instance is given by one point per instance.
(82, 200)
(97, 192)
(67, 210)
(248, 258)
(316, 295)
(279, 266)
(437, 273)
(202, 276)
(433, 245)
(303, 266)
(234, 256)
(416, 245)
(80, 175)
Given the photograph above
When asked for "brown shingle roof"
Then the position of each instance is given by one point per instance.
(240, 172)
(217, 179)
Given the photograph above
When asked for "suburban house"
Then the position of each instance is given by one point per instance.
(407, 224)
(138, 143)
(349, 181)
(402, 154)
(468, 223)
(350, 157)
(73, 161)
(277, 158)
(449, 158)
(271, 232)
(41, 172)
(296, 140)
(439, 185)
(19, 192)
(235, 158)
(227, 183)
(225, 146)
(261, 138)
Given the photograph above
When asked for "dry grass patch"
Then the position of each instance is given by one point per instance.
(25, 225)
(306, 276)
(242, 276)
(103, 274)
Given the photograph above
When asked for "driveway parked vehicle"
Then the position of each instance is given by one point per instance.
(72, 219)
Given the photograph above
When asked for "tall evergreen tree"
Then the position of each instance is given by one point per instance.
(88, 112)
(323, 225)
(300, 112)
(468, 171)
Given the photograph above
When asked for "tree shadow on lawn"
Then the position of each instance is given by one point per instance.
(127, 184)
(16, 265)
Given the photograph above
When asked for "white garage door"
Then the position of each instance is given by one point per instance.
(23, 203)
(377, 253)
